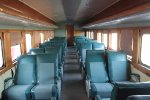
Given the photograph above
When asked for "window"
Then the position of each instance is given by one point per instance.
(92, 35)
(105, 39)
(28, 42)
(1, 54)
(42, 37)
(145, 49)
(114, 41)
(88, 34)
(15, 52)
(99, 37)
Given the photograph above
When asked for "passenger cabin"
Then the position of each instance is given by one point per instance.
(74, 49)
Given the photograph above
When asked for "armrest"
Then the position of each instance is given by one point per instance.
(138, 97)
(135, 77)
(88, 86)
(88, 83)
(8, 82)
(54, 92)
(57, 78)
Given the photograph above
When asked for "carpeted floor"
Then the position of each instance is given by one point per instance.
(73, 87)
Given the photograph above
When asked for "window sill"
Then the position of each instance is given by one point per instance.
(5, 69)
(142, 68)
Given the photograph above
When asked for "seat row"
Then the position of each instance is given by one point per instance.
(103, 69)
(82, 44)
(36, 78)
(54, 51)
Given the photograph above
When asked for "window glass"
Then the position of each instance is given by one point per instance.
(15, 52)
(42, 37)
(114, 41)
(105, 39)
(145, 49)
(89, 34)
(1, 54)
(99, 37)
(92, 35)
(28, 42)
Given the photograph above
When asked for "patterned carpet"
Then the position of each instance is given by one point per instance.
(73, 87)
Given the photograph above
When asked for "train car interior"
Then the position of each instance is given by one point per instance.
(74, 49)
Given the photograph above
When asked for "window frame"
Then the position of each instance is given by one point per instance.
(140, 54)
(2, 47)
(99, 35)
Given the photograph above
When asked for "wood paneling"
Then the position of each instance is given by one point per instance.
(17, 8)
(23, 46)
(120, 9)
(15, 37)
(70, 34)
(78, 33)
(37, 38)
(136, 46)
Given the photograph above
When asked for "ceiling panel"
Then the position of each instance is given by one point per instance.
(89, 8)
(52, 9)
(135, 20)
(13, 22)
(69, 10)
(71, 7)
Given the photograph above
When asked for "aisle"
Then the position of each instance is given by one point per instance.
(73, 87)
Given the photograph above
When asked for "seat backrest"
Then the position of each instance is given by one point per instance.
(121, 91)
(46, 69)
(83, 48)
(55, 50)
(36, 51)
(25, 72)
(118, 66)
(96, 71)
(98, 46)
(78, 44)
(94, 55)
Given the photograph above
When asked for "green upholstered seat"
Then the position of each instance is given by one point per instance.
(97, 75)
(46, 70)
(118, 66)
(98, 46)
(58, 52)
(83, 48)
(36, 51)
(24, 79)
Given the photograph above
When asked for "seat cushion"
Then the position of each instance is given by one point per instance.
(18, 92)
(44, 91)
(102, 89)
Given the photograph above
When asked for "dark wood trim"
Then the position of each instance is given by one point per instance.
(17, 8)
(120, 9)
(141, 68)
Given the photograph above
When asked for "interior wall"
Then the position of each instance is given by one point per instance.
(60, 33)
(79, 33)
(37, 38)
